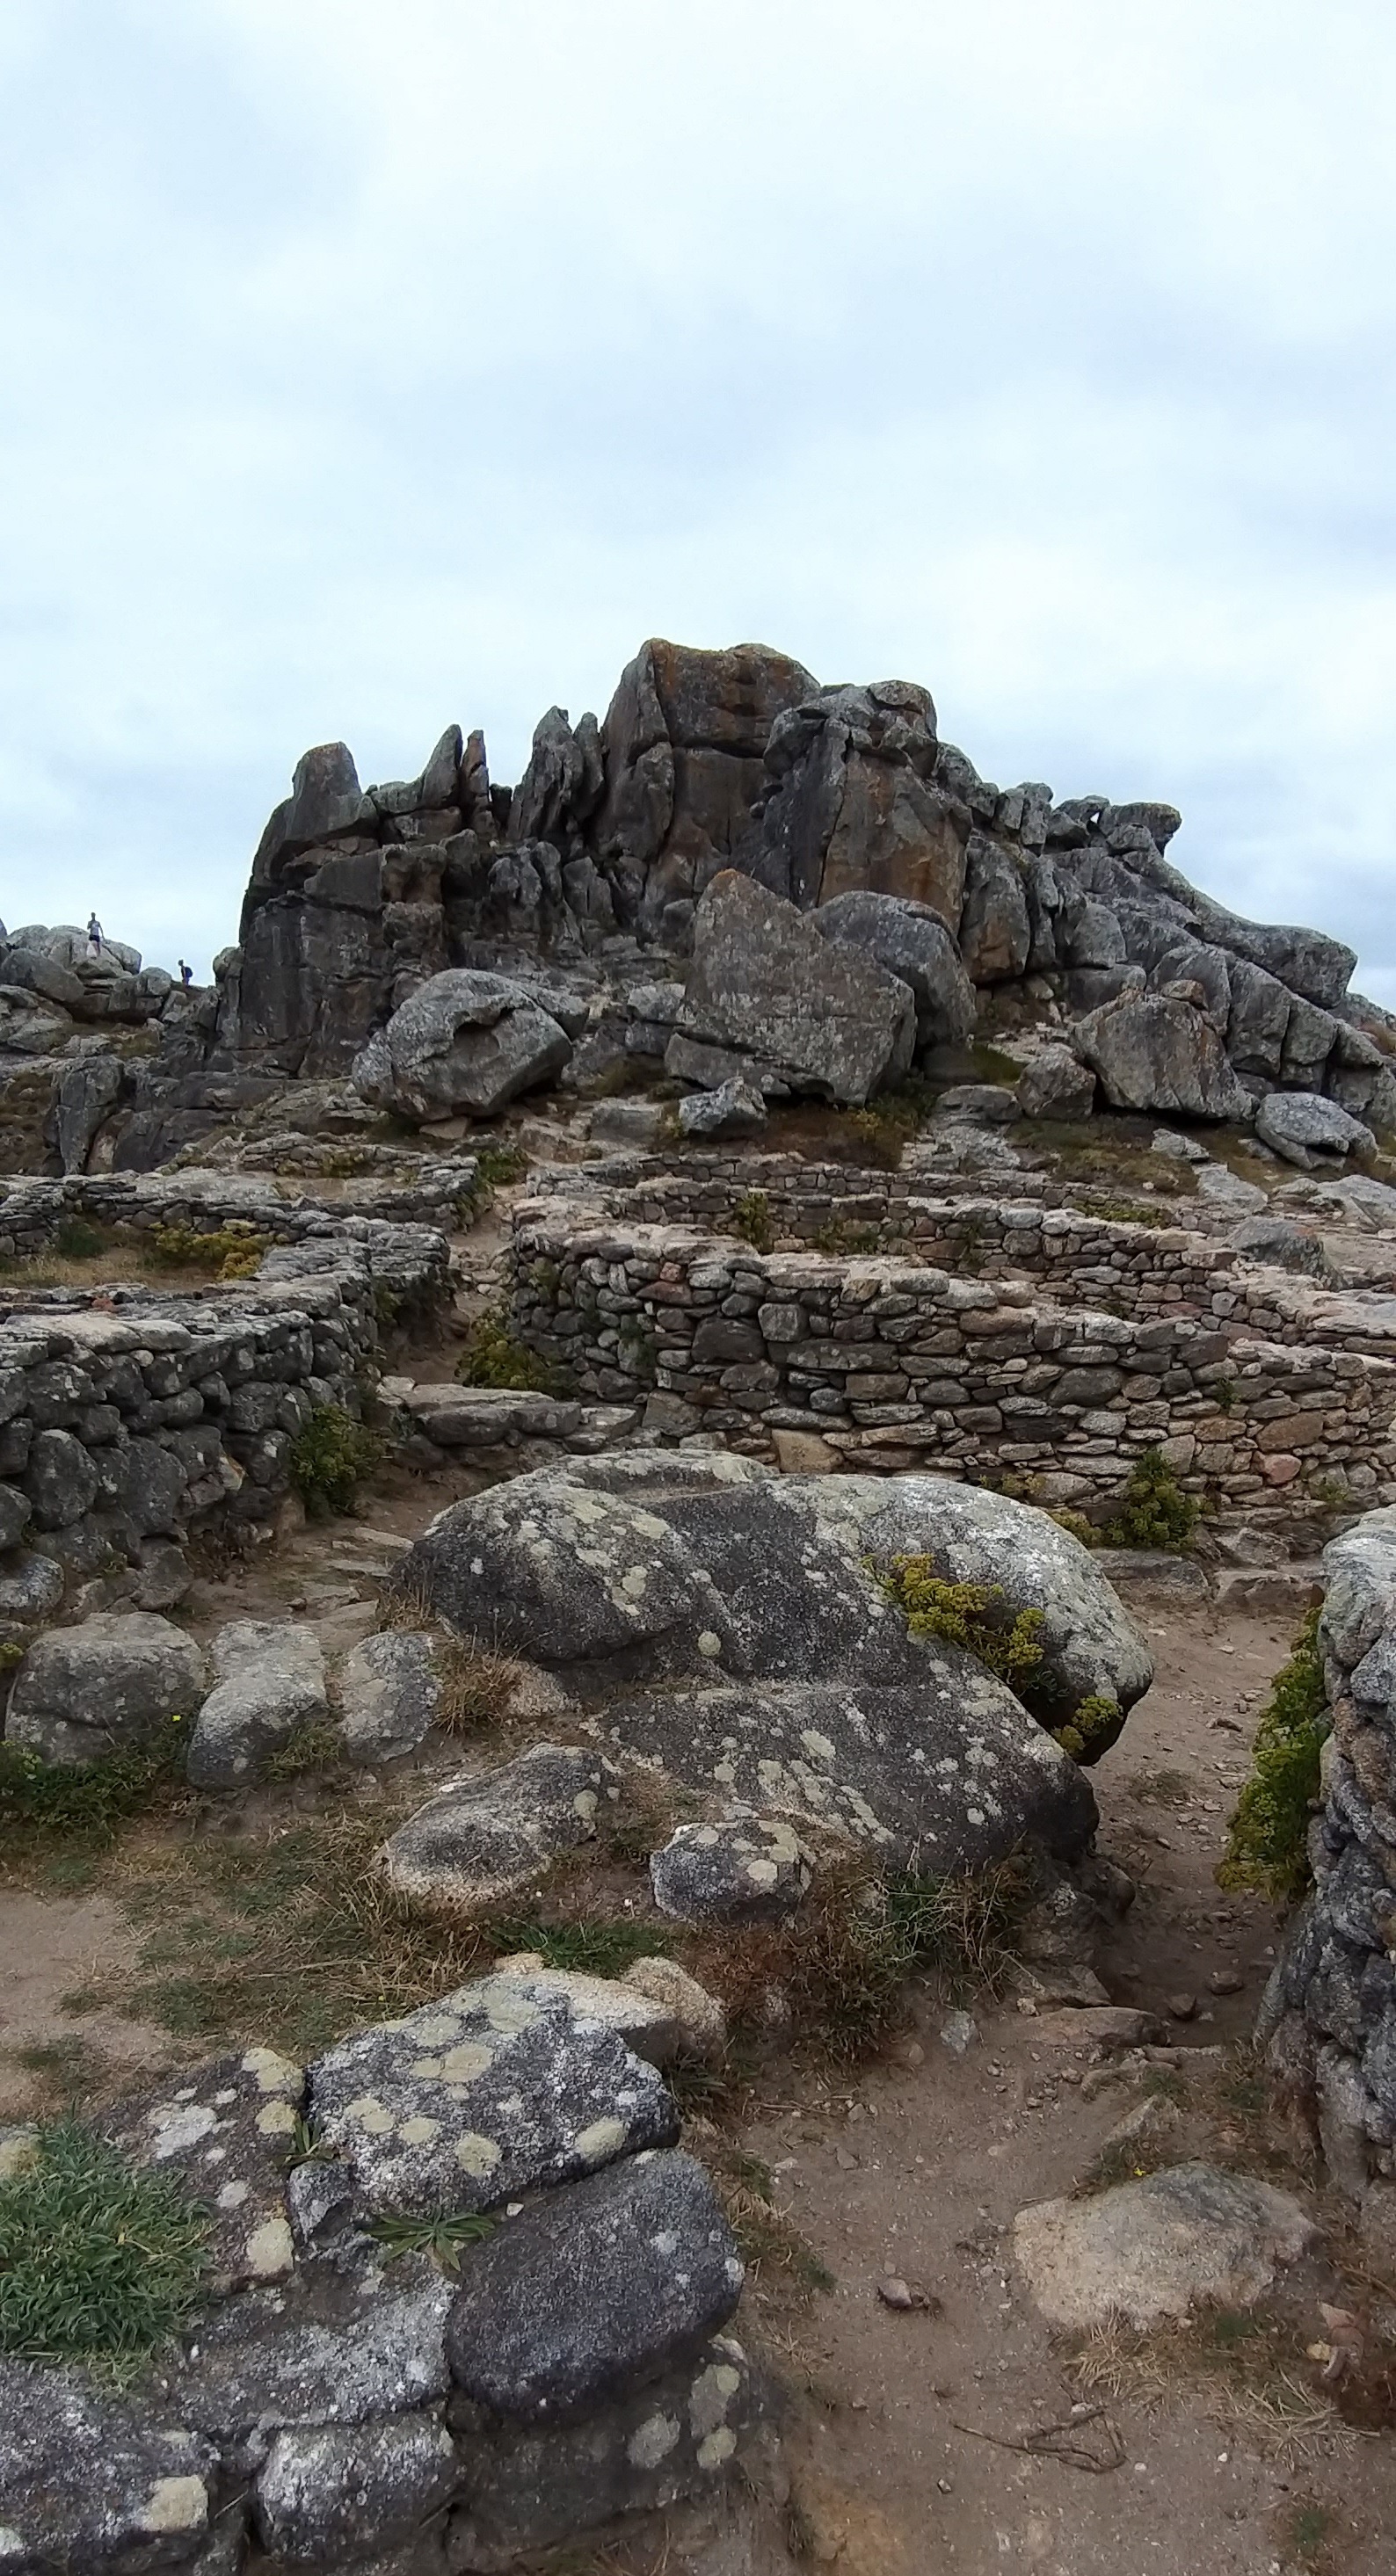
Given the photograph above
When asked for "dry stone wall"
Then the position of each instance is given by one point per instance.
(32, 1211)
(895, 1364)
(129, 1418)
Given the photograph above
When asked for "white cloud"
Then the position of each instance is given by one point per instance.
(370, 367)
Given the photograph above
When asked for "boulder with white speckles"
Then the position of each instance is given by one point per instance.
(89, 2480)
(339, 2346)
(271, 1682)
(493, 1834)
(593, 2292)
(389, 1695)
(330, 2493)
(671, 2441)
(227, 2129)
(478, 2097)
(740, 1869)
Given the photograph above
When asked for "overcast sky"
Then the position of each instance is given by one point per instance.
(373, 363)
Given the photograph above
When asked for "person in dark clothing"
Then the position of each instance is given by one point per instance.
(94, 934)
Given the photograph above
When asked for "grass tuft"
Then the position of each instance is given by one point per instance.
(1267, 1841)
(1155, 1513)
(331, 1456)
(98, 2263)
(494, 1356)
(87, 1800)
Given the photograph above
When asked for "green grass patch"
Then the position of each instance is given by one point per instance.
(1268, 1836)
(85, 1800)
(445, 2236)
(99, 2263)
(753, 1222)
(595, 1949)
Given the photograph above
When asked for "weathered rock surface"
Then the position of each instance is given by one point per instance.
(849, 801)
(342, 2352)
(767, 996)
(1309, 1130)
(912, 941)
(477, 2098)
(659, 2015)
(739, 1870)
(463, 1042)
(389, 1695)
(593, 2293)
(670, 2441)
(1159, 2248)
(491, 1836)
(1155, 1051)
(328, 2490)
(1056, 1085)
(736, 1108)
(270, 1681)
(89, 2480)
(113, 1680)
(1286, 1246)
(227, 2129)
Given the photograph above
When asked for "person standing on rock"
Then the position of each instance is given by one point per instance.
(94, 935)
(186, 974)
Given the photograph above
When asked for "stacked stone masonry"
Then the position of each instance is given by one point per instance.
(211, 1202)
(895, 1364)
(129, 1417)
(1329, 2017)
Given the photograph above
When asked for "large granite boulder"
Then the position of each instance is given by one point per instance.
(682, 746)
(769, 999)
(594, 2292)
(850, 802)
(1157, 1051)
(1309, 1130)
(113, 1681)
(463, 1042)
(995, 931)
(912, 942)
(269, 1683)
(729, 1625)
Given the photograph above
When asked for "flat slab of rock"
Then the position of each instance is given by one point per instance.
(114, 1680)
(479, 2097)
(389, 1695)
(227, 2129)
(594, 2292)
(657, 2024)
(486, 1417)
(1157, 2249)
(492, 1836)
(734, 1109)
(270, 1682)
(753, 1870)
(88, 2480)
(671, 2441)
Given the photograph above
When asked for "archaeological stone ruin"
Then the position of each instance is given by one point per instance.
(762, 1250)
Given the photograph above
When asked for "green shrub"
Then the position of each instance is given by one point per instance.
(1091, 1728)
(972, 1615)
(493, 1356)
(331, 1455)
(1076, 1525)
(495, 1167)
(87, 1798)
(226, 1252)
(98, 2263)
(752, 1220)
(840, 1234)
(1267, 1838)
(1156, 1513)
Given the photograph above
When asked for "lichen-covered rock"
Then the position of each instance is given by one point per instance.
(1159, 2248)
(1309, 1130)
(227, 2128)
(1056, 1084)
(736, 1108)
(116, 1679)
(491, 1835)
(673, 2440)
(594, 2292)
(330, 2493)
(739, 1869)
(912, 941)
(270, 1681)
(90, 2481)
(656, 2025)
(1156, 1051)
(767, 995)
(389, 1695)
(353, 2345)
(30, 1585)
(631, 1568)
(463, 1042)
(948, 1773)
(478, 2097)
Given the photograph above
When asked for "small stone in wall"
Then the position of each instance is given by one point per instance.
(228, 2129)
(330, 2489)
